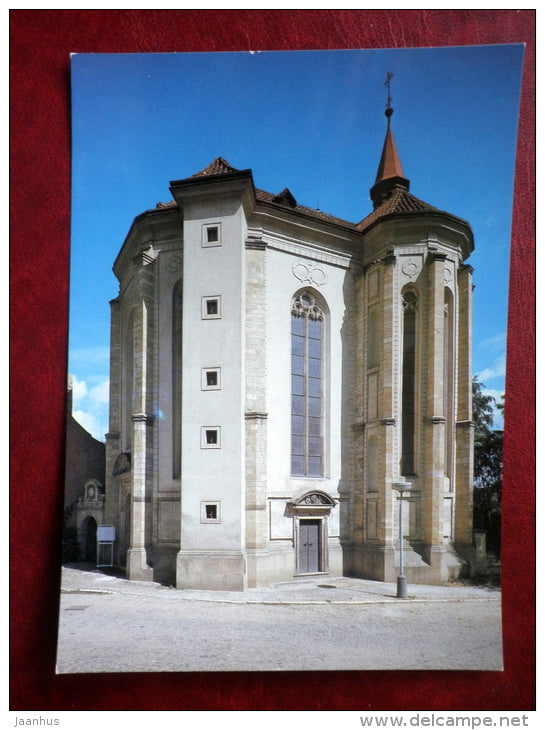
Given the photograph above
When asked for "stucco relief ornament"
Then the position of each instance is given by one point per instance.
(175, 264)
(448, 274)
(411, 269)
(314, 499)
(309, 273)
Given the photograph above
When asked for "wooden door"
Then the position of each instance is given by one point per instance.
(309, 546)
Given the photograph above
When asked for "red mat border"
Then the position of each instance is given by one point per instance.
(40, 44)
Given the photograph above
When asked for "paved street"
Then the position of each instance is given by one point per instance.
(108, 624)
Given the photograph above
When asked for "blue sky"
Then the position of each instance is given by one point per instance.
(312, 121)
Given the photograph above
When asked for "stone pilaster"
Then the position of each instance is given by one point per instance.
(256, 523)
(137, 567)
(140, 537)
(434, 478)
(378, 552)
(388, 452)
(463, 532)
(352, 515)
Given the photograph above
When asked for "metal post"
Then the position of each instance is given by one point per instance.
(401, 487)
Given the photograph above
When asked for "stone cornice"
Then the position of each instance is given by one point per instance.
(255, 415)
(388, 258)
(142, 418)
(434, 255)
(435, 419)
(310, 250)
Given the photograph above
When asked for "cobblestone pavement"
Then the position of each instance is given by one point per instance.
(108, 624)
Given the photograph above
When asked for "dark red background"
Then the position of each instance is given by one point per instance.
(41, 41)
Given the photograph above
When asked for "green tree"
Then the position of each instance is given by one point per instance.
(488, 464)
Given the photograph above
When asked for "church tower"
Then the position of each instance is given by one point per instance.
(413, 396)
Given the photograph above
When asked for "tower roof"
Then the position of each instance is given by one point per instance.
(399, 202)
(390, 175)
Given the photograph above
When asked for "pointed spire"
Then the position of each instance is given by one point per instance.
(390, 173)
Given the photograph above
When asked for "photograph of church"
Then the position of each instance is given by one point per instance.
(276, 371)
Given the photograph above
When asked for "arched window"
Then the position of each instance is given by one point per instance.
(448, 384)
(307, 386)
(129, 381)
(177, 380)
(371, 466)
(408, 393)
(374, 339)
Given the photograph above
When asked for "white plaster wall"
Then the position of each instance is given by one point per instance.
(215, 475)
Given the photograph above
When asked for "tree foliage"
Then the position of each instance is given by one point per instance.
(488, 464)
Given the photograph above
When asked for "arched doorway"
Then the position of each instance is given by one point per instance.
(89, 540)
(311, 513)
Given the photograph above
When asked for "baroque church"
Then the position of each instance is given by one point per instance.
(275, 371)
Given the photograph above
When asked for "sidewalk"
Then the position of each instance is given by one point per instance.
(85, 578)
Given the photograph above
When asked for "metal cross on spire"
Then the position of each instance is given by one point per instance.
(389, 77)
(389, 111)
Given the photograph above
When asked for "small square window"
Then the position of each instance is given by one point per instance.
(211, 235)
(211, 379)
(210, 437)
(211, 512)
(211, 307)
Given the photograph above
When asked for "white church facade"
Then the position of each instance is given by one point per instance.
(274, 370)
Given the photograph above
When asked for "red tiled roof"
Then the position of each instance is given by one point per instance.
(270, 198)
(219, 166)
(401, 202)
(285, 199)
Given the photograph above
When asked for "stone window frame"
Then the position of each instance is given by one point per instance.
(316, 308)
(206, 227)
(205, 443)
(204, 373)
(412, 304)
(204, 306)
(210, 503)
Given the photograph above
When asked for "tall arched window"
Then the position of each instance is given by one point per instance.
(448, 385)
(408, 392)
(307, 348)
(177, 380)
(129, 382)
(374, 339)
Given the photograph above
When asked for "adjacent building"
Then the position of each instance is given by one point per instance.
(274, 370)
(83, 489)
